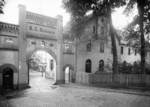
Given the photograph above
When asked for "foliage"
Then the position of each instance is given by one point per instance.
(2, 3)
(133, 34)
(35, 61)
(128, 68)
(143, 20)
(146, 12)
(79, 10)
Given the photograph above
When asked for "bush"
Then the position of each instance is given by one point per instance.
(135, 68)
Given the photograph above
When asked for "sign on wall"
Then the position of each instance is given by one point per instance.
(43, 30)
(41, 20)
(9, 40)
(40, 24)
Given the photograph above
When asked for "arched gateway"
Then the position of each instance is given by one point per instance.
(38, 32)
(34, 33)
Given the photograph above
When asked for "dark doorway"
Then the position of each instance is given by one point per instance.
(88, 66)
(8, 78)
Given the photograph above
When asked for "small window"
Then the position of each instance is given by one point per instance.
(94, 29)
(51, 45)
(88, 48)
(129, 51)
(33, 43)
(42, 43)
(52, 64)
(102, 47)
(121, 49)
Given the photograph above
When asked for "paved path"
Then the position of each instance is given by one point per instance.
(71, 95)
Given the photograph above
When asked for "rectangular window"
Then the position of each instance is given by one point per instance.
(51, 45)
(52, 64)
(129, 51)
(33, 43)
(102, 47)
(88, 46)
(94, 29)
(121, 49)
(68, 48)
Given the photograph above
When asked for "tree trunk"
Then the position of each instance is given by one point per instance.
(141, 14)
(114, 48)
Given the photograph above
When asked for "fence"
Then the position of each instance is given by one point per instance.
(133, 80)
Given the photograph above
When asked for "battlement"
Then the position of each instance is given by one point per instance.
(8, 29)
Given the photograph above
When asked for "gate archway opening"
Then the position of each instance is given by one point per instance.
(41, 68)
(69, 74)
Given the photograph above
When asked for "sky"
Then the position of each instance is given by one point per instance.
(52, 8)
(45, 7)
(120, 20)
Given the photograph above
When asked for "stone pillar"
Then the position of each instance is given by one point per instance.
(60, 75)
(23, 73)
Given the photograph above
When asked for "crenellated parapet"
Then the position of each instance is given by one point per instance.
(8, 29)
(9, 36)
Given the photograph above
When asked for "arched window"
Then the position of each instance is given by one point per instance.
(88, 66)
(101, 65)
(42, 43)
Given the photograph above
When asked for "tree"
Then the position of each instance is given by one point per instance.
(2, 3)
(78, 10)
(35, 61)
(143, 20)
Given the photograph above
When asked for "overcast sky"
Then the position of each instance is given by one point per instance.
(45, 7)
(51, 8)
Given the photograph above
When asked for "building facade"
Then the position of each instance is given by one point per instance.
(9, 51)
(90, 54)
(18, 43)
(94, 50)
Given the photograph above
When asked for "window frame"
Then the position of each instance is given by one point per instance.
(88, 66)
